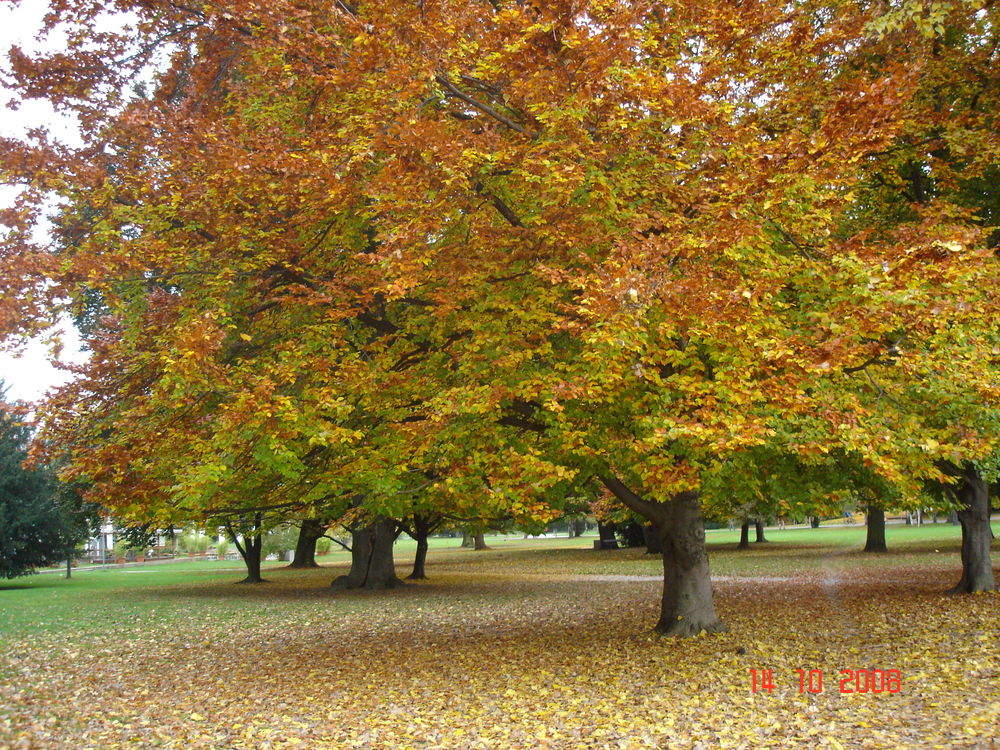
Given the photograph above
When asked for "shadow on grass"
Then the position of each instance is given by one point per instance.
(35, 583)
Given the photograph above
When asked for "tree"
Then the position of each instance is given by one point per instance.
(970, 495)
(247, 534)
(41, 522)
(311, 530)
(875, 529)
(372, 565)
(420, 527)
(495, 250)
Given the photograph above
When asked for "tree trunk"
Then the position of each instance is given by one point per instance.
(69, 567)
(814, 522)
(382, 570)
(252, 558)
(606, 535)
(372, 565)
(421, 530)
(651, 535)
(420, 560)
(875, 539)
(974, 515)
(467, 540)
(305, 548)
(361, 555)
(744, 535)
(480, 542)
(687, 607)
(759, 529)
(579, 527)
(250, 549)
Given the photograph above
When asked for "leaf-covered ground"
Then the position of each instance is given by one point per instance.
(504, 649)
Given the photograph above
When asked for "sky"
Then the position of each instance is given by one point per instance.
(29, 376)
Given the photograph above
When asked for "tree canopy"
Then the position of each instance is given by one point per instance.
(473, 255)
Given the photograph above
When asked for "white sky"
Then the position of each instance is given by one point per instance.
(29, 376)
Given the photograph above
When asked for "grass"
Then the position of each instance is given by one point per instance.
(533, 643)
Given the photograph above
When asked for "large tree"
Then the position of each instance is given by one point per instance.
(490, 250)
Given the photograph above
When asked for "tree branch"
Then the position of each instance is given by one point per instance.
(476, 104)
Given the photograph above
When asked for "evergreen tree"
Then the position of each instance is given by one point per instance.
(40, 522)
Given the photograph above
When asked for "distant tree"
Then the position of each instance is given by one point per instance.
(40, 523)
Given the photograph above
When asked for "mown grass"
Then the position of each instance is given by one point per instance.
(533, 643)
(152, 594)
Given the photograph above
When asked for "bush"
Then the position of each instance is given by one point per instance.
(630, 534)
(194, 543)
(280, 540)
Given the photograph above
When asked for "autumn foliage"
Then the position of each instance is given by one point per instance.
(474, 256)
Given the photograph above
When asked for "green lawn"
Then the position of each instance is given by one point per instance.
(532, 643)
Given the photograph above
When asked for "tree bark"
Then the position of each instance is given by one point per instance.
(382, 570)
(479, 542)
(814, 522)
(744, 535)
(687, 607)
(974, 515)
(759, 529)
(467, 540)
(305, 548)
(372, 565)
(69, 567)
(361, 555)
(875, 537)
(651, 534)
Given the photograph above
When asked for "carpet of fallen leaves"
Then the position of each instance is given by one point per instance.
(513, 651)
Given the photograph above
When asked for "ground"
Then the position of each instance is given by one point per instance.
(533, 644)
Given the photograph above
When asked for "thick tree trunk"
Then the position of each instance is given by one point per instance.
(480, 541)
(305, 548)
(578, 527)
(744, 535)
(759, 529)
(687, 607)
(467, 539)
(372, 565)
(382, 569)
(361, 555)
(974, 515)
(814, 522)
(875, 539)
(651, 535)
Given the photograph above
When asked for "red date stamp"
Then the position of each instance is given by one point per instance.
(851, 680)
